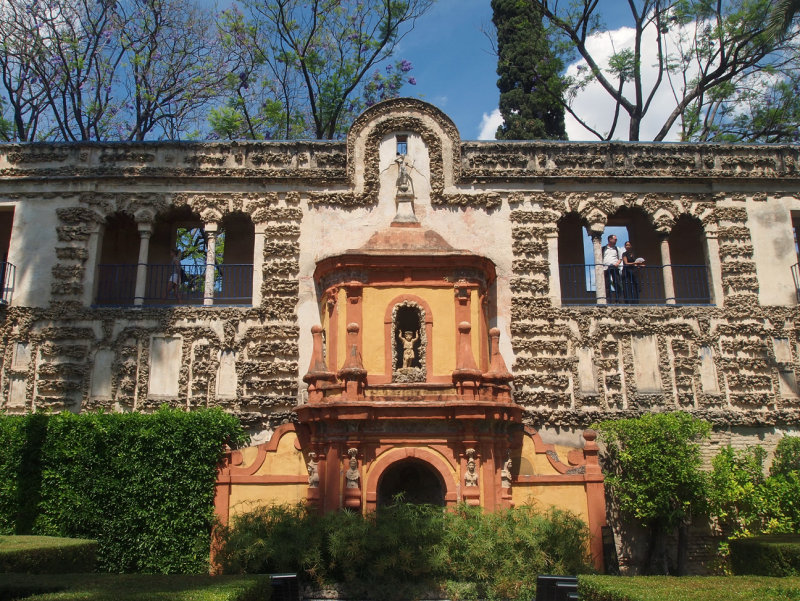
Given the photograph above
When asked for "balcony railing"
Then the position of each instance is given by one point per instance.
(116, 286)
(644, 286)
(8, 275)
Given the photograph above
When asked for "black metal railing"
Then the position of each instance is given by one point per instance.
(8, 277)
(634, 286)
(167, 285)
(796, 278)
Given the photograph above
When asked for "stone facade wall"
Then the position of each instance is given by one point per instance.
(733, 363)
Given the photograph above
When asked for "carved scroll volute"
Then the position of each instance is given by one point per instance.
(317, 370)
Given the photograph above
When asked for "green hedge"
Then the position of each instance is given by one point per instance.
(134, 587)
(47, 555)
(767, 555)
(141, 485)
(688, 588)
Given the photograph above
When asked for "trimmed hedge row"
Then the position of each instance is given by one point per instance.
(768, 555)
(688, 588)
(47, 555)
(141, 485)
(134, 587)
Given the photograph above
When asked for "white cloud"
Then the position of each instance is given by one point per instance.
(596, 107)
(489, 124)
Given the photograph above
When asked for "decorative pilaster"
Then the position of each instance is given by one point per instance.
(352, 373)
(318, 373)
(466, 376)
(258, 262)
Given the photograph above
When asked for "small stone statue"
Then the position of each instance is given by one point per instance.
(505, 473)
(409, 354)
(403, 179)
(471, 477)
(313, 471)
(352, 476)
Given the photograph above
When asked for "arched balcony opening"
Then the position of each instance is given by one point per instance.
(690, 272)
(115, 283)
(234, 268)
(575, 265)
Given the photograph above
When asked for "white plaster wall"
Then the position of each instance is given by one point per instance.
(773, 249)
(33, 238)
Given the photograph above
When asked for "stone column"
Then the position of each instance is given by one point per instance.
(714, 268)
(93, 248)
(258, 262)
(666, 262)
(599, 277)
(211, 260)
(555, 273)
(145, 231)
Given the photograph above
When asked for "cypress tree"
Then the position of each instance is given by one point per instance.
(528, 73)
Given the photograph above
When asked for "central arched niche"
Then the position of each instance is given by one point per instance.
(417, 481)
(409, 342)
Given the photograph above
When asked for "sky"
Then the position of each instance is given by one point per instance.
(455, 69)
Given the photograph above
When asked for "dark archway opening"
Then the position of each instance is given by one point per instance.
(415, 480)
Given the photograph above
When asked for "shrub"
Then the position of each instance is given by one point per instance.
(141, 485)
(772, 555)
(47, 555)
(691, 588)
(405, 547)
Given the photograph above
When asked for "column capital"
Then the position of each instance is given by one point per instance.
(145, 229)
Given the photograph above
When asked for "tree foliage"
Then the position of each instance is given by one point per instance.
(308, 68)
(529, 80)
(729, 77)
(653, 471)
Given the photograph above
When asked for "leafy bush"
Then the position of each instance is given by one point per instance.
(771, 555)
(47, 555)
(405, 547)
(653, 472)
(141, 485)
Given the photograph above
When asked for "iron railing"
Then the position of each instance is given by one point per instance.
(796, 277)
(8, 278)
(639, 286)
(116, 286)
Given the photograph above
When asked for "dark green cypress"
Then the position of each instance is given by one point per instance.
(529, 81)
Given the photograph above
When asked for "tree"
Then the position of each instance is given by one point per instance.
(323, 48)
(529, 81)
(714, 58)
(782, 15)
(653, 472)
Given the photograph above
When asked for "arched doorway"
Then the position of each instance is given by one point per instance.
(417, 481)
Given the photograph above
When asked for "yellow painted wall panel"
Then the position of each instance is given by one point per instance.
(246, 497)
(571, 497)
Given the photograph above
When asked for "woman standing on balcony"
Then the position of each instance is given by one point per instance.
(174, 282)
(630, 274)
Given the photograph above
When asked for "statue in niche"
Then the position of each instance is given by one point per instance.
(403, 179)
(313, 471)
(409, 339)
(505, 473)
(352, 476)
(409, 343)
(471, 477)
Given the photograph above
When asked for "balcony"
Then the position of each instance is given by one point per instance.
(116, 285)
(690, 284)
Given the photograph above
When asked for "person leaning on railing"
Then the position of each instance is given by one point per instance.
(630, 274)
(612, 266)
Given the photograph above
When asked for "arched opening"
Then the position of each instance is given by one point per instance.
(575, 262)
(689, 262)
(182, 229)
(414, 479)
(235, 241)
(119, 254)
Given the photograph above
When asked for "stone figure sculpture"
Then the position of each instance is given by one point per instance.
(505, 473)
(313, 471)
(352, 476)
(409, 354)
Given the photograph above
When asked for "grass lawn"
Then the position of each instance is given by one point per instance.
(133, 587)
(690, 588)
(12, 544)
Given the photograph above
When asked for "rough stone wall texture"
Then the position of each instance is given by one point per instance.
(753, 343)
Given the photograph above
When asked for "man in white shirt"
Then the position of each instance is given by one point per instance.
(612, 266)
